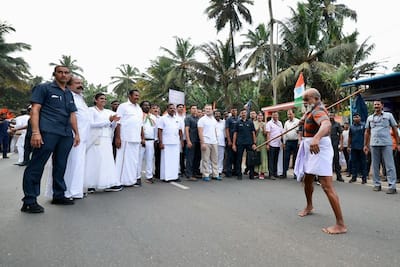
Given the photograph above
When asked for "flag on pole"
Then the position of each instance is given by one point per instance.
(298, 91)
(359, 106)
(247, 106)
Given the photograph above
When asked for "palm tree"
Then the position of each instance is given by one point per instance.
(70, 63)
(183, 63)
(155, 83)
(224, 11)
(12, 69)
(126, 81)
(258, 58)
(219, 72)
(91, 90)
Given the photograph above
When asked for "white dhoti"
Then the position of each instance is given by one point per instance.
(169, 167)
(319, 164)
(127, 163)
(75, 171)
(221, 153)
(146, 154)
(100, 171)
(20, 147)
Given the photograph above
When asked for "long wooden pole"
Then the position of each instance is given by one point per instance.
(291, 129)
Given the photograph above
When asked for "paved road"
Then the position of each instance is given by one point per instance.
(228, 223)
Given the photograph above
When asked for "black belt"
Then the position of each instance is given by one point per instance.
(149, 139)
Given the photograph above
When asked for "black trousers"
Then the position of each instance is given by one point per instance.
(290, 149)
(239, 156)
(336, 165)
(193, 157)
(182, 156)
(231, 160)
(60, 147)
(4, 144)
(157, 159)
(359, 164)
(27, 148)
(273, 154)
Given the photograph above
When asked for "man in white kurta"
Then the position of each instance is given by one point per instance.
(221, 140)
(128, 139)
(147, 149)
(170, 138)
(75, 170)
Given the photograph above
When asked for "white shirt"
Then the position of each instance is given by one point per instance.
(345, 135)
(131, 122)
(170, 126)
(182, 117)
(221, 132)
(21, 121)
(274, 129)
(100, 122)
(292, 135)
(82, 116)
(209, 125)
(149, 126)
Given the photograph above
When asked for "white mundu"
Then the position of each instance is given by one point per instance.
(169, 167)
(127, 160)
(221, 144)
(147, 152)
(75, 170)
(100, 167)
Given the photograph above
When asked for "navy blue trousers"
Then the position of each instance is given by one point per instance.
(60, 147)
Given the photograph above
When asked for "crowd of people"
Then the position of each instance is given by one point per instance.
(94, 148)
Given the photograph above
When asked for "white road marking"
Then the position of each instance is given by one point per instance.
(179, 185)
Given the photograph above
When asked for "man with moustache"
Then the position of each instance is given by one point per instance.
(53, 123)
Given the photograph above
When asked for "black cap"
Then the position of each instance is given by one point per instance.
(356, 114)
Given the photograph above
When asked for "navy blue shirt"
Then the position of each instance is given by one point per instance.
(4, 127)
(244, 130)
(356, 132)
(57, 106)
(231, 125)
(336, 131)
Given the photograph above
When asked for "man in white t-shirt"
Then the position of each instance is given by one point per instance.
(207, 127)
(128, 139)
(273, 128)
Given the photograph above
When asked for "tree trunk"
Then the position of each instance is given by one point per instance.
(272, 50)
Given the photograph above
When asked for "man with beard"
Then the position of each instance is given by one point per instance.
(315, 154)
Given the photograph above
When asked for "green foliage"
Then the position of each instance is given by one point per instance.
(126, 81)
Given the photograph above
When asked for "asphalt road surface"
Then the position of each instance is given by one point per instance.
(218, 223)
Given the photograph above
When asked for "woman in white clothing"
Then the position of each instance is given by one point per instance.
(100, 165)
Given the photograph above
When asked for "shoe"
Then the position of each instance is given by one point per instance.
(62, 201)
(218, 178)
(192, 179)
(271, 177)
(282, 176)
(32, 208)
(261, 177)
(363, 182)
(348, 175)
(6, 157)
(318, 183)
(91, 190)
(149, 181)
(115, 188)
(177, 180)
(352, 180)
(391, 191)
(206, 179)
(340, 179)
(251, 177)
(18, 164)
(138, 184)
(377, 188)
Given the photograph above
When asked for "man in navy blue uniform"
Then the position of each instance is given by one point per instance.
(355, 146)
(230, 126)
(53, 119)
(244, 137)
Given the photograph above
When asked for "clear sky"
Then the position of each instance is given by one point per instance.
(101, 35)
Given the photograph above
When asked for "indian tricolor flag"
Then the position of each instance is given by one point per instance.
(298, 91)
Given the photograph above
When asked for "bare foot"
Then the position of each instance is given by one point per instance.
(335, 229)
(305, 212)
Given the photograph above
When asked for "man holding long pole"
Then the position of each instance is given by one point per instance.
(315, 158)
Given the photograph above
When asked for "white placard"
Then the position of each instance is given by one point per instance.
(176, 97)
